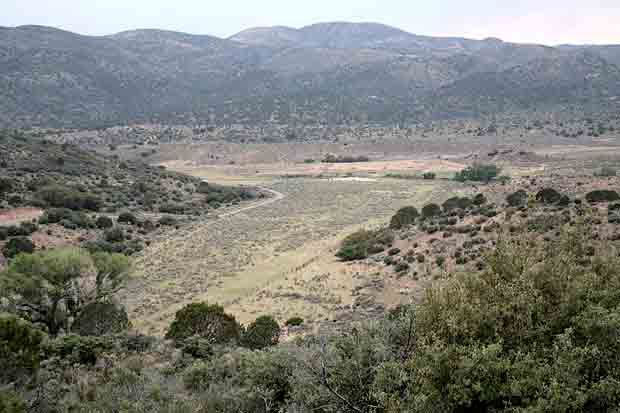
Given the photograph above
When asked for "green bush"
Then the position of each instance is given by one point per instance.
(431, 210)
(404, 217)
(127, 218)
(480, 199)
(602, 195)
(115, 234)
(478, 173)
(63, 197)
(11, 403)
(19, 245)
(429, 175)
(20, 347)
(104, 222)
(99, 319)
(168, 221)
(209, 322)
(77, 349)
(361, 244)
(263, 332)
(6, 185)
(294, 321)
(4, 233)
(548, 196)
(457, 203)
(517, 199)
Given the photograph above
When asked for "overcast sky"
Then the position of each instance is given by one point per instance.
(533, 21)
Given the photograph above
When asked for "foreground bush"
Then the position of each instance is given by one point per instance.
(209, 322)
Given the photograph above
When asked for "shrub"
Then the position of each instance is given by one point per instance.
(404, 217)
(457, 203)
(478, 173)
(104, 222)
(19, 245)
(115, 234)
(429, 175)
(77, 349)
(127, 218)
(168, 221)
(517, 199)
(431, 210)
(294, 321)
(480, 199)
(11, 403)
(361, 244)
(602, 195)
(606, 171)
(172, 208)
(23, 230)
(101, 318)
(4, 233)
(548, 196)
(6, 185)
(63, 197)
(263, 332)
(20, 347)
(402, 267)
(209, 322)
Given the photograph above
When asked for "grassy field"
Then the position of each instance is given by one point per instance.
(277, 258)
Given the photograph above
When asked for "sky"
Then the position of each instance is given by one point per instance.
(527, 21)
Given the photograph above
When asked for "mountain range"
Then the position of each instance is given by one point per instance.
(336, 73)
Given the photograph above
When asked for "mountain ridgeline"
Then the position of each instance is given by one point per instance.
(335, 73)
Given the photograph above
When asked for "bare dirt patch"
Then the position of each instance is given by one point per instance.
(17, 215)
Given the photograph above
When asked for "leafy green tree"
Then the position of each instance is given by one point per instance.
(49, 287)
(209, 322)
(263, 332)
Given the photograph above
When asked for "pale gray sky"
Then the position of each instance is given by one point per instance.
(534, 21)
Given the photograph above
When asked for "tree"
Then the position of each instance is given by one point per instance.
(263, 332)
(52, 287)
(206, 321)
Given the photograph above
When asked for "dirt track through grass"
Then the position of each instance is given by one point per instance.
(231, 258)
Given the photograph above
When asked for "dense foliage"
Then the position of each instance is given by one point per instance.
(478, 173)
(404, 217)
(363, 243)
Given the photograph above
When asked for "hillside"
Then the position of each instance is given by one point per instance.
(328, 72)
